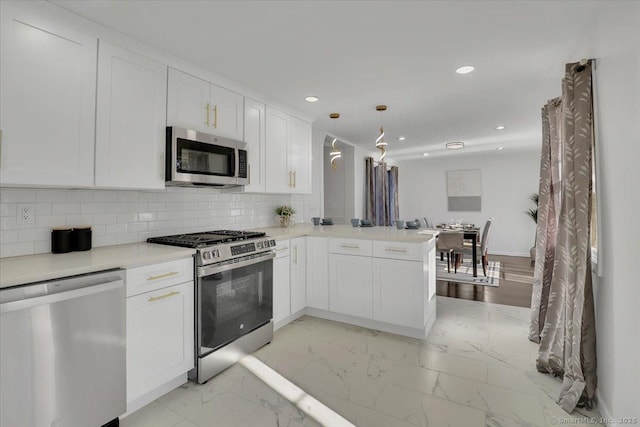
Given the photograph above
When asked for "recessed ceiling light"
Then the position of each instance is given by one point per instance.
(500, 148)
(401, 138)
(425, 154)
(455, 145)
(311, 99)
(500, 127)
(465, 69)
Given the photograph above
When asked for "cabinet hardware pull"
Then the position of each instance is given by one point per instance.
(162, 276)
(350, 246)
(207, 108)
(294, 179)
(295, 255)
(400, 250)
(290, 179)
(284, 248)
(169, 295)
(215, 116)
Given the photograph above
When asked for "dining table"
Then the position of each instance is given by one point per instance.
(469, 233)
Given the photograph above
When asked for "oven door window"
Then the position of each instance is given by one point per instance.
(234, 303)
(204, 159)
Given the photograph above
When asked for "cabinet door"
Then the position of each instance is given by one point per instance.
(432, 273)
(279, 178)
(48, 86)
(130, 126)
(398, 292)
(254, 136)
(281, 289)
(188, 102)
(318, 272)
(298, 274)
(350, 288)
(227, 112)
(300, 155)
(159, 337)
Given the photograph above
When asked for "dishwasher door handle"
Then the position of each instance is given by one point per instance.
(23, 304)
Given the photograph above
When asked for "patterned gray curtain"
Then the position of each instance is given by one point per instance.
(567, 339)
(369, 189)
(394, 208)
(381, 193)
(547, 228)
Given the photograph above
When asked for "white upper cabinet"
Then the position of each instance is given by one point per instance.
(48, 87)
(254, 136)
(130, 126)
(227, 111)
(196, 104)
(278, 175)
(300, 155)
(288, 156)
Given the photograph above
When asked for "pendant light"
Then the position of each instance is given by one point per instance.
(380, 144)
(335, 153)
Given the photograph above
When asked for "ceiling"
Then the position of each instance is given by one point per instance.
(356, 54)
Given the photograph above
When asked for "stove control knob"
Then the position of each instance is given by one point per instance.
(216, 253)
(259, 245)
(206, 255)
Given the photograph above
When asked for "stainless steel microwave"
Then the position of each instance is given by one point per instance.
(196, 158)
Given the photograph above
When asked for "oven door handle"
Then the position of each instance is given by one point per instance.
(213, 269)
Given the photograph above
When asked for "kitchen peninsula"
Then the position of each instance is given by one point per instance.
(375, 277)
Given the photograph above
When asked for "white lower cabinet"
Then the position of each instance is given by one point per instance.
(281, 282)
(160, 325)
(298, 270)
(350, 285)
(398, 292)
(289, 278)
(318, 272)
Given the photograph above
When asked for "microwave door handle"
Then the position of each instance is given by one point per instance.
(236, 155)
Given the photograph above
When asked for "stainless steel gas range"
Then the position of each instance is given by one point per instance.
(234, 296)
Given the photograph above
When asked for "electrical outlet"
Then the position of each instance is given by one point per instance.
(24, 214)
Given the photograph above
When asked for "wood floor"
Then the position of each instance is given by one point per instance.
(516, 283)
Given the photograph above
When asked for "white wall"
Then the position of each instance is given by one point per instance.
(616, 44)
(508, 179)
(119, 217)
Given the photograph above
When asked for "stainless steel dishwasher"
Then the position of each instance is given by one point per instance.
(62, 352)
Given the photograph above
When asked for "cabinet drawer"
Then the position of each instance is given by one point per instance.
(398, 250)
(282, 248)
(350, 246)
(158, 276)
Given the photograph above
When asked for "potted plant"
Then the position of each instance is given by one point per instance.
(285, 214)
(533, 214)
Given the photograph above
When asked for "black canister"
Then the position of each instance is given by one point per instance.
(81, 238)
(61, 240)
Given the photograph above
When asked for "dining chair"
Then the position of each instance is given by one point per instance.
(484, 243)
(451, 242)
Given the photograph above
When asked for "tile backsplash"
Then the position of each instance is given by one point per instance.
(125, 216)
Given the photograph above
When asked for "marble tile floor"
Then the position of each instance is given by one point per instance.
(476, 368)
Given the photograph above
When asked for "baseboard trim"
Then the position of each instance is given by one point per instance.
(420, 333)
(290, 318)
(520, 254)
(605, 412)
(147, 398)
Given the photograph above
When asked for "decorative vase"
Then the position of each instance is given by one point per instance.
(285, 221)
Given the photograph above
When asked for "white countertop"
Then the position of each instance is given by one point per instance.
(36, 268)
(348, 232)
